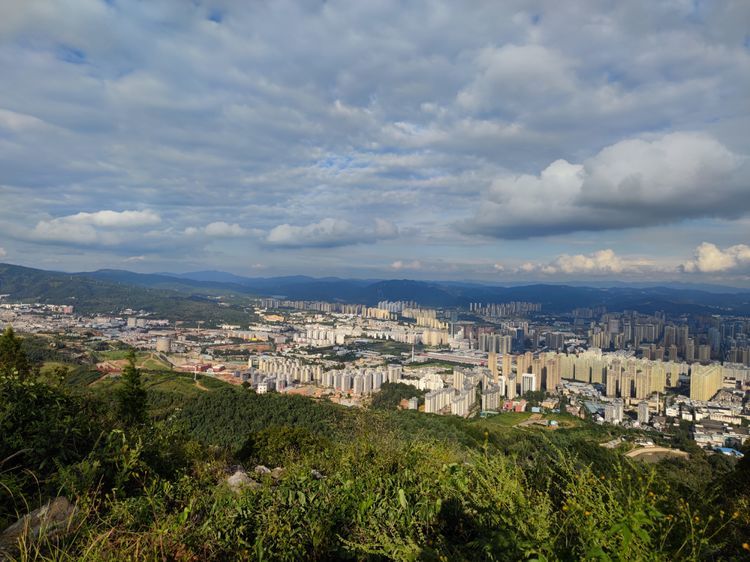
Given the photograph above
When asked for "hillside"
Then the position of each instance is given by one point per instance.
(189, 295)
(347, 484)
(112, 295)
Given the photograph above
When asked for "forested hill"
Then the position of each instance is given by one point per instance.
(108, 289)
(94, 295)
(215, 472)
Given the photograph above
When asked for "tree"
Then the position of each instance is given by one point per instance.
(131, 396)
(13, 360)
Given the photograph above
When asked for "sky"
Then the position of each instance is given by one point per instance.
(491, 141)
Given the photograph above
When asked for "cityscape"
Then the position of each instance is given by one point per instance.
(375, 280)
(642, 371)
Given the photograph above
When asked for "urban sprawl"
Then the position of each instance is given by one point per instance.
(648, 371)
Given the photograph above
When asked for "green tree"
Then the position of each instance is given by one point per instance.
(13, 360)
(131, 397)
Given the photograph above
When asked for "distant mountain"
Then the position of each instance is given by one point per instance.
(111, 292)
(107, 286)
(168, 282)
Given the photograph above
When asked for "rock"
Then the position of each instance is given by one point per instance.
(260, 469)
(240, 480)
(317, 475)
(277, 472)
(50, 520)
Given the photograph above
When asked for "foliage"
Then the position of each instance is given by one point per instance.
(131, 396)
(13, 360)
(392, 393)
(357, 484)
(42, 427)
(227, 417)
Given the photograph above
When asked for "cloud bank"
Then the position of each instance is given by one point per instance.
(632, 183)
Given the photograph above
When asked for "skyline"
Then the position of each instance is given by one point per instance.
(483, 143)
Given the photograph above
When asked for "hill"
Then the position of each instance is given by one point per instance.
(347, 484)
(181, 297)
(111, 294)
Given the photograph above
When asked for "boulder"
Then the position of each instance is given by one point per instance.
(240, 480)
(50, 520)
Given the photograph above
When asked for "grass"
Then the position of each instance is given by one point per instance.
(505, 419)
(143, 359)
(445, 364)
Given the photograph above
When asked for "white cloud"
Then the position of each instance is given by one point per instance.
(330, 232)
(602, 262)
(709, 258)
(632, 183)
(113, 219)
(98, 228)
(222, 229)
(399, 265)
(3, 253)
(517, 76)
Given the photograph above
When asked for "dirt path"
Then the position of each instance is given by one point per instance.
(200, 386)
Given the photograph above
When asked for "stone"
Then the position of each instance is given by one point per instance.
(240, 480)
(50, 520)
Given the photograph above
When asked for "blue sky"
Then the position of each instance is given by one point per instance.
(493, 141)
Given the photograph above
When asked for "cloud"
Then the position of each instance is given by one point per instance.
(3, 253)
(517, 75)
(221, 229)
(329, 233)
(602, 262)
(399, 265)
(446, 116)
(101, 227)
(632, 183)
(709, 258)
(113, 219)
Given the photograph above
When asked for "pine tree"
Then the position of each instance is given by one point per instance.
(13, 359)
(132, 396)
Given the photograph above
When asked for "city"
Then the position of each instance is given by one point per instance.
(375, 280)
(651, 372)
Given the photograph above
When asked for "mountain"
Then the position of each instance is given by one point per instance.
(117, 288)
(113, 292)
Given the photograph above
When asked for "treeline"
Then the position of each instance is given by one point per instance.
(392, 393)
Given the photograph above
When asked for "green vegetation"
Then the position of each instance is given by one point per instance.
(90, 295)
(13, 361)
(356, 484)
(386, 347)
(131, 396)
(392, 393)
(448, 365)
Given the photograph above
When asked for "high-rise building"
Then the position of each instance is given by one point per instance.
(528, 383)
(492, 364)
(507, 365)
(458, 379)
(552, 375)
(643, 413)
(705, 381)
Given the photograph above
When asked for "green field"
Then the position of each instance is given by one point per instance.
(504, 419)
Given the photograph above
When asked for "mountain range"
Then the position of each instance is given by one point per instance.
(107, 287)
